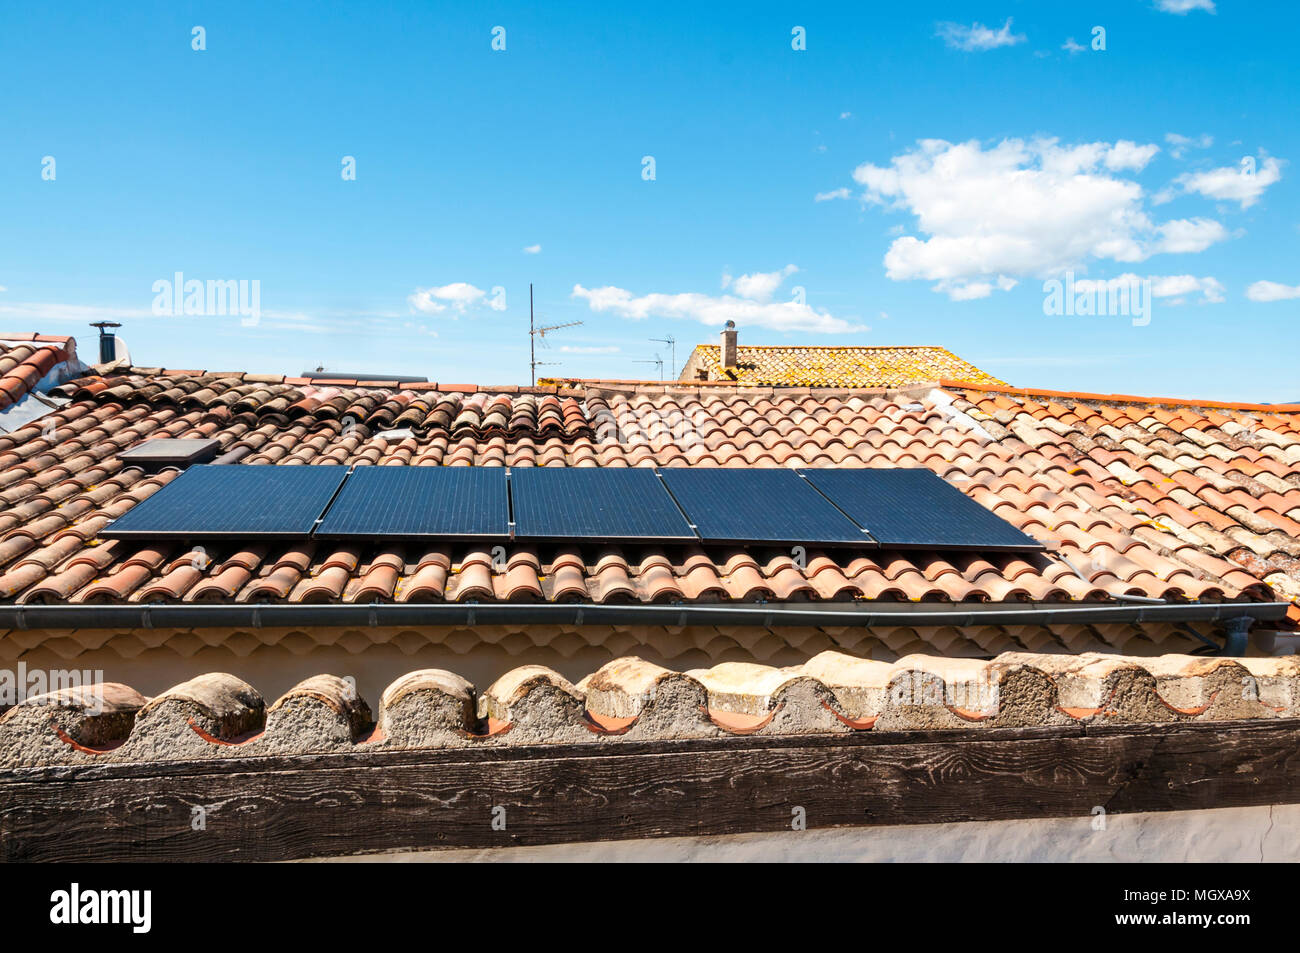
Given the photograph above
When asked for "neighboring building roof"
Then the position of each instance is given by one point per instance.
(808, 366)
(25, 360)
(630, 700)
(1140, 500)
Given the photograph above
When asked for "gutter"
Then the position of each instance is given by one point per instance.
(191, 616)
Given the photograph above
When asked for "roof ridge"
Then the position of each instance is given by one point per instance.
(1121, 398)
(836, 347)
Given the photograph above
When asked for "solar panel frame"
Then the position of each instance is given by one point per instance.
(403, 502)
(760, 506)
(233, 501)
(913, 508)
(629, 505)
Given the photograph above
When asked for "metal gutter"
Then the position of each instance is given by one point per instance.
(189, 616)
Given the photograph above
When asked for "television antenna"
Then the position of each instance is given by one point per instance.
(657, 360)
(672, 343)
(535, 332)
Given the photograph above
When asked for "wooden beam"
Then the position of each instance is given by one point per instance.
(275, 808)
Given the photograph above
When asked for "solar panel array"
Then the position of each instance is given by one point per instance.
(230, 500)
(860, 508)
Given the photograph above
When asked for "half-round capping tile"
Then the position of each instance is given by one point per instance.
(68, 726)
(321, 713)
(1108, 687)
(209, 716)
(858, 684)
(1276, 682)
(745, 698)
(1210, 689)
(635, 700)
(430, 708)
(533, 704)
(933, 692)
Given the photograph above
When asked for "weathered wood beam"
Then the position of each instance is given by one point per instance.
(276, 808)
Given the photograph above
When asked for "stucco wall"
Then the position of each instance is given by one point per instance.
(1244, 835)
(274, 660)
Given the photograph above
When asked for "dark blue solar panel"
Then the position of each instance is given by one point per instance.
(410, 501)
(916, 509)
(594, 504)
(234, 500)
(759, 506)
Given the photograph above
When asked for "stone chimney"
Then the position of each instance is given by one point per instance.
(728, 356)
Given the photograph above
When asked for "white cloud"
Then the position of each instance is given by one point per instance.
(1071, 46)
(533, 250)
(1179, 145)
(1126, 154)
(579, 349)
(1177, 287)
(1272, 291)
(978, 37)
(761, 285)
(1244, 183)
(58, 311)
(840, 193)
(989, 217)
(1185, 6)
(1189, 235)
(711, 310)
(3, 288)
(458, 295)
(845, 115)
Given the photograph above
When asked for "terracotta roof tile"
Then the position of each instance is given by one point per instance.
(1123, 489)
(22, 366)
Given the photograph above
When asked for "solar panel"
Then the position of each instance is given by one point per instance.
(233, 500)
(411, 501)
(759, 506)
(588, 503)
(916, 509)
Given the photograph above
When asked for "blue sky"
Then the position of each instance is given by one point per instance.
(960, 160)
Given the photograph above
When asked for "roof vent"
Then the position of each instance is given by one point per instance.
(323, 375)
(171, 452)
(111, 347)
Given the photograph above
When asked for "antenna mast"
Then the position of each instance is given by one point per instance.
(672, 343)
(535, 332)
(657, 361)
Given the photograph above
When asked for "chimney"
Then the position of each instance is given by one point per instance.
(729, 345)
(107, 340)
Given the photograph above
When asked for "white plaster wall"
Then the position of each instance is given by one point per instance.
(1249, 834)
